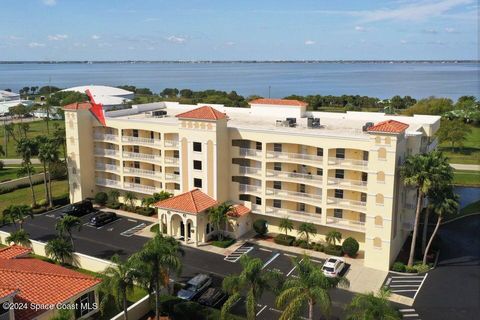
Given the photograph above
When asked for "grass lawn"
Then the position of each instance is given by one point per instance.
(11, 173)
(24, 195)
(469, 153)
(37, 128)
(466, 178)
(473, 207)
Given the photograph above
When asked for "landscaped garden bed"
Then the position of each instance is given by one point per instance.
(225, 242)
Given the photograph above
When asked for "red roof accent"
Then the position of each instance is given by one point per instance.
(204, 113)
(238, 210)
(78, 106)
(194, 201)
(96, 109)
(389, 126)
(5, 292)
(41, 282)
(281, 102)
(14, 252)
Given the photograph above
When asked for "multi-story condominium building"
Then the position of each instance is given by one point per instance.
(275, 160)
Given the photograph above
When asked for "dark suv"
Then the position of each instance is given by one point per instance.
(102, 218)
(79, 209)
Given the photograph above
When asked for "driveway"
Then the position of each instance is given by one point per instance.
(452, 289)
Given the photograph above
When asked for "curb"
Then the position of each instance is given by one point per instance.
(458, 218)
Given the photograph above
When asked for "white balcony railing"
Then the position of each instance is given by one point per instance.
(250, 170)
(354, 163)
(346, 203)
(337, 182)
(172, 177)
(140, 188)
(249, 188)
(346, 223)
(142, 156)
(294, 156)
(109, 182)
(140, 140)
(107, 152)
(295, 195)
(107, 167)
(172, 160)
(295, 176)
(248, 152)
(142, 172)
(106, 137)
(293, 214)
(171, 143)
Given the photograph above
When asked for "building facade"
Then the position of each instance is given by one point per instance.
(336, 170)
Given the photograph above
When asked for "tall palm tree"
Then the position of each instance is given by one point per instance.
(59, 250)
(129, 198)
(253, 279)
(60, 140)
(286, 225)
(157, 260)
(26, 148)
(310, 288)
(19, 237)
(422, 171)
(333, 236)
(20, 213)
(162, 195)
(43, 157)
(442, 201)
(66, 225)
(371, 306)
(117, 282)
(307, 229)
(218, 216)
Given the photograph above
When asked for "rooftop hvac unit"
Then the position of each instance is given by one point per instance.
(292, 122)
(159, 114)
(366, 126)
(313, 122)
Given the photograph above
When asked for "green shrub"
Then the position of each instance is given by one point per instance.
(350, 246)
(398, 266)
(101, 198)
(39, 210)
(114, 205)
(61, 200)
(421, 268)
(145, 211)
(319, 247)
(43, 202)
(188, 310)
(410, 269)
(285, 240)
(225, 243)
(333, 250)
(7, 189)
(299, 242)
(260, 227)
(2, 164)
(305, 245)
(155, 228)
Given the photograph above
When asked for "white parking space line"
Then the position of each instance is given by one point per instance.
(130, 232)
(237, 254)
(263, 249)
(293, 269)
(317, 261)
(132, 220)
(420, 287)
(406, 310)
(271, 259)
(406, 281)
(411, 315)
(290, 255)
(413, 290)
(261, 310)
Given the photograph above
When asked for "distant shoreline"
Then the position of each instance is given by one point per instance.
(243, 61)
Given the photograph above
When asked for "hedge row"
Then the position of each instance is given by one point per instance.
(179, 309)
(285, 240)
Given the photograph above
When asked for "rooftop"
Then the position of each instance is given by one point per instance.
(279, 102)
(14, 251)
(194, 201)
(205, 113)
(105, 95)
(238, 210)
(389, 126)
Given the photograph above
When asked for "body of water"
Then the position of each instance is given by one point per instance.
(382, 80)
(467, 195)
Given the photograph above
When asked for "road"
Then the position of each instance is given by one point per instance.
(452, 289)
(466, 167)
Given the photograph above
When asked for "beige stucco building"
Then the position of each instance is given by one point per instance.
(336, 170)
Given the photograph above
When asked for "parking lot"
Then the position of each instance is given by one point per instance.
(116, 237)
(405, 284)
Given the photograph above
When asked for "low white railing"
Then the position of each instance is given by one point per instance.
(172, 177)
(142, 156)
(346, 202)
(250, 188)
(348, 162)
(172, 160)
(106, 137)
(141, 172)
(346, 223)
(108, 182)
(140, 188)
(106, 152)
(347, 182)
(294, 214)
(293, 194)
(250, 170)
(248, 152)
(140, 140)
(300, 177)
(107, 167)
(296, 156)
(171, 143)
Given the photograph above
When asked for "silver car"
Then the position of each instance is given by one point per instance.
(333, 266)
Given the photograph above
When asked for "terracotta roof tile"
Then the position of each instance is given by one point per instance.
(78, 106)
(281, 102)
(238, 210)
(389, 126)
(4, 292)
(194, 201)
(14, 252)
(205, 112)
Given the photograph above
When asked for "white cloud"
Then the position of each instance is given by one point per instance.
(57, 37)
(430, 30)
(309, 42)
(79, 45)
(36, 45)
(451, 30)
(360, 29)
(229, 43)
(151, 19)
(176, 39)
(49, 2)
(95, 37)
(12, 37)
(403, 41)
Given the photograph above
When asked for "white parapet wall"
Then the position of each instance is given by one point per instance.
(21, 181)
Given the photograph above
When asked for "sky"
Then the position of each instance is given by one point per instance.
(238, 30)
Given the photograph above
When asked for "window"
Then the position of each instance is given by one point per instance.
(74, 170)
(197, 183)
(380, 176)
(197, 164)
(378, 140)
(244, 197)
(277, 185)
(365, 155)
(377, 242)
(277, 166)
(339, 193)
(340, 153)
(277, 147)
(320, 152)
(137, 180)
(338, 213)
(136, 164)
(382, 153)
(258, 145)
(152, 135)
(363, 197)
(378, 221)
(364, 176)
(277, 203)
(176, 154)
(197, 147)
(339, 173)
(362, 217)
(387, 140)
(379, 198)
(318, 210)
(136, 149)
(258, 200)
(319, 172)
(135, 132)
(176, 186)
(301, 188)
(301, 207)
(85, 304)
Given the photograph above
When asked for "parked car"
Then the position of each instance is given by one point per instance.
(79, 209)
(333, 266)
(102, 218)
(195, 287)
(213, 297)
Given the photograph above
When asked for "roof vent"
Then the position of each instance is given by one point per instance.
(313, 122)
(366, 126)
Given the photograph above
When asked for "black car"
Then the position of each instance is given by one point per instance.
(102, 218)
(195, 287)
(213, 297)
(79, 209)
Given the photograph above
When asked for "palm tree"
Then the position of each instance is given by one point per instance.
(218, 216)
(162, 195)
(27, 148)
(66, 225)
(285, 224)
(156, 261)
(306, 230)
(148, 201)
(130, 198)
(422, 171)
(63, 314)
(43, 157)
(311, 287)
(442, 201)
(14, 213)
(60, 140)
(333, 236)
(253, 279)
(59, 250)
(371, 306)
(118, 282)
(19, 237)
(113, 196)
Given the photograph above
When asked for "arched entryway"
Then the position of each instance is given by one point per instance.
(177, 227)
(190, 230)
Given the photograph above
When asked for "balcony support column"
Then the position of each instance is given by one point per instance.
(325, 169)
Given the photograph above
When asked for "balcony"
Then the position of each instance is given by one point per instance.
(250, 171)
(295, 215)
(140, 188)
(106, 137)
(107, 152)
(304, 178)
(350, 163)
(172, 177)
(347, 203)
(249, 188)
(346, 183)
(142, 156)
(296, 157)
(107, 167)
(172, 160)
(140, 140)
(248, 153)
(315, 198)
(109, 183)
(171, 143)
(142, 172)
(354, 225)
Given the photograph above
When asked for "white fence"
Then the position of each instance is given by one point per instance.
(21, 181)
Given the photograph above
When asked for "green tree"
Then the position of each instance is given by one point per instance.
(17, 213)
(28, 148)
(333, 237)
(253, 280)
(432, 106)
(113, 196)
(43, 157)
(218, 215)
(286, 225)
(19, 237)
(306, 230)
(310, 288)
(63, 314)
(454, 132)
(66, 225)
(397, 102)
(59, 249)
(130, 198)
(373, 307)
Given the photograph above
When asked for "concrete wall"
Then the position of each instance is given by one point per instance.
(136, 310)
(16, 182)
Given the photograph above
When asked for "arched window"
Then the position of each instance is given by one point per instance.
(379, 198)
(380, 176)
(377, 242)
(378, 140)
(382, 153)
(378, 221)
(388, 140)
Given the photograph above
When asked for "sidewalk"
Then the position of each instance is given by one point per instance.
(467, 167)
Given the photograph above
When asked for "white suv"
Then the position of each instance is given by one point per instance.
(333, 266)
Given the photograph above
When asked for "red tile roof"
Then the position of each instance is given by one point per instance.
(238, 210)
(205, 113)
(281, 102)
(14, 252)
(41, 282)
(5, 292)
(389, 126)
(194, 201)
(78, 106)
